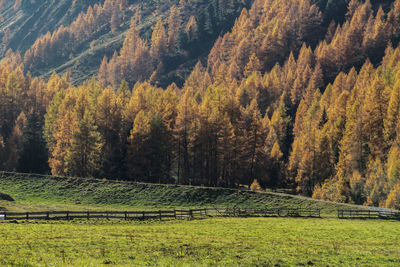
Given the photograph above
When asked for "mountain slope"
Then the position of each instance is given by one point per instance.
(22, 25)
(35, 26)
(28, 22)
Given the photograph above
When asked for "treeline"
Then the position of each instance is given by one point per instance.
(156, 135)
(274, 104)
(363, 111)
(23, 103)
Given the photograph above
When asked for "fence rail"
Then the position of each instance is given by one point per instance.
(160, 214)
(368, 214)
(277, 212)
(196, 214)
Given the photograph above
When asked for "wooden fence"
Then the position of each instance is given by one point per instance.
(159, 215)
(281, 212)
(195, 214)
(368, 214)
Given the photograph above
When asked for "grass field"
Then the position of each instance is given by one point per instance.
(208, 242)
(43, 193)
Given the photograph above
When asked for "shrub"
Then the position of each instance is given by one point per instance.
(5, 197)
(255, 186)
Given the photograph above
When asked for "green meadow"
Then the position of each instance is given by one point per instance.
(325, 241)
(208, 242)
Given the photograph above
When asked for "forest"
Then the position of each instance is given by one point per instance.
(296, 94)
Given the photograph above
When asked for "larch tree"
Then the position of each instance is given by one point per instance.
(83, 156)
(138, 153)
(102, 75)
(391, 120)
(174, 27)
(159, 42)
(62, 142)
(254, 137)
(183, 131)
(374, 112)
(109, 122)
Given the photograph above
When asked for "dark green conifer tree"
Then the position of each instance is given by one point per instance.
(33, 153)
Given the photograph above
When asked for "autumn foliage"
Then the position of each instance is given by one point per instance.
(285, 99)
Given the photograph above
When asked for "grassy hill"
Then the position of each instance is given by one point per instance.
(35, 192)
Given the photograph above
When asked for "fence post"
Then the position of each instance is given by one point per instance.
(191, 213)
(48, 216)
(205, 212)
(68, 215)
(143, 215)
(126, 215)
(5, 216)
(107, 215)
(160, 215)
(27, 215)
(175, 213)
(88, 215)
